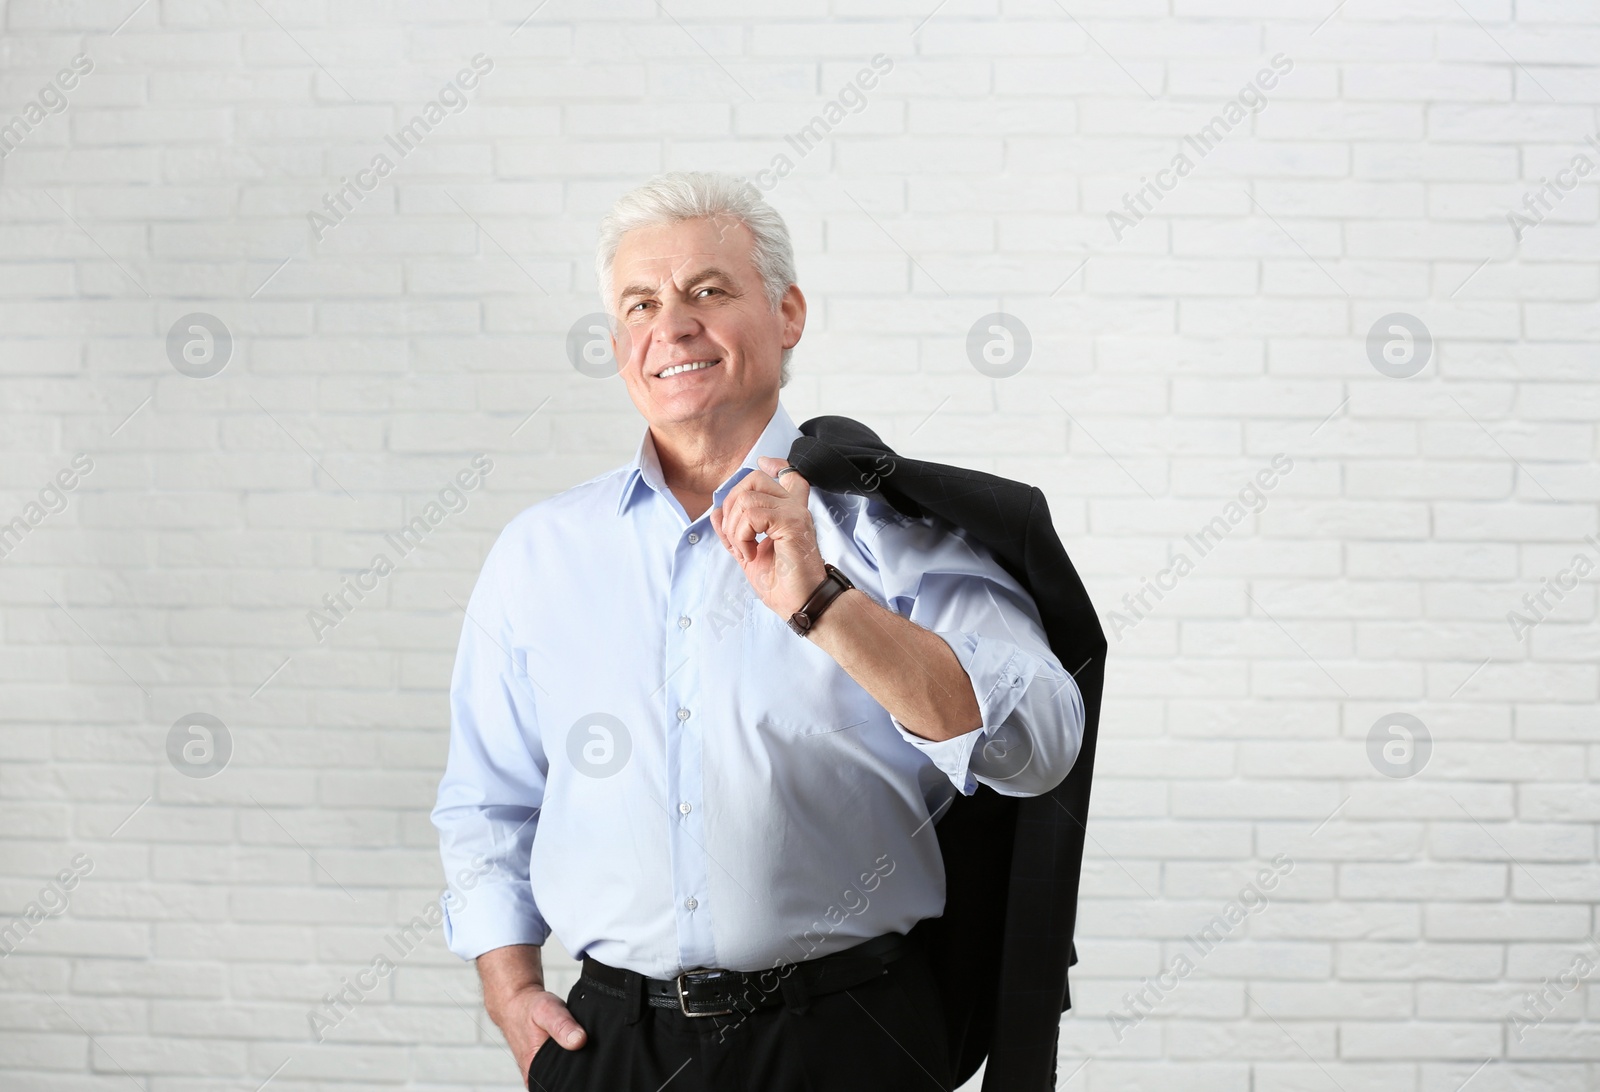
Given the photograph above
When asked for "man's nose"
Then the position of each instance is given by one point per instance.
(675, 321)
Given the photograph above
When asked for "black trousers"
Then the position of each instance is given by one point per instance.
(886, 1035)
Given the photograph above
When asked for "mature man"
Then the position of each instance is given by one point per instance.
(703, 716)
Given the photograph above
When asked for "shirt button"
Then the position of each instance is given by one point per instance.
(691, 902)
(693, 538)
(683, 621)
(683, 714)
(685, 808)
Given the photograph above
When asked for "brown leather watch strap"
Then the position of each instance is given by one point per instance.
(833, 585)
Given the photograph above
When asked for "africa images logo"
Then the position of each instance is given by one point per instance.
(451, 99)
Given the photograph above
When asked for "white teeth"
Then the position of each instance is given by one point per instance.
(678, 369)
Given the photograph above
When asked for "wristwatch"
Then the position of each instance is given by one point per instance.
(833, 585)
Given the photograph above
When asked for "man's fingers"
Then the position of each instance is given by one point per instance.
(722, 524)
(751, 514)
(798, 487)
(726, 520)
(769, 483)
(740, 529)
(755, 506)
(726, 523)
(790, 485)
(551, 1015)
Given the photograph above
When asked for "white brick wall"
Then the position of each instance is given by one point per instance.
(1229, 324)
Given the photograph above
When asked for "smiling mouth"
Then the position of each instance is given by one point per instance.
(686, 368)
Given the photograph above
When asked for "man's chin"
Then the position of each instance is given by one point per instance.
(684, 405)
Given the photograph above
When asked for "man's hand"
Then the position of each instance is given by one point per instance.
(785, 567)
(533, 1017)
(526, 1013)
(909, 670)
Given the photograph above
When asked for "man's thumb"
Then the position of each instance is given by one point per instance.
(560, 1025)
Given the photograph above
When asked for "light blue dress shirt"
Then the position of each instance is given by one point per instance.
(646, 760)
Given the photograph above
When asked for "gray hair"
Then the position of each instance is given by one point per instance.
(692, 195)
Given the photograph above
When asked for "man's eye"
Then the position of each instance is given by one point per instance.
(707, 290)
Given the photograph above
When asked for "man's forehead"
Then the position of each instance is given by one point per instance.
(650, 258)
(676, 263)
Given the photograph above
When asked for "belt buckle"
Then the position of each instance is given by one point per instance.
(702, 975)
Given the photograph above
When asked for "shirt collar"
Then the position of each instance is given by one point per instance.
(775, 440)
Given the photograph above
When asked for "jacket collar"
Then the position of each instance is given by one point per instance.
(645, 469)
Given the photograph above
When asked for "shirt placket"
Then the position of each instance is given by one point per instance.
(686, 727)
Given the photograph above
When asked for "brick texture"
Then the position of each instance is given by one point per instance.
(1345, 814)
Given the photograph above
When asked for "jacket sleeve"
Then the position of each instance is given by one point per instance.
(1032, 712)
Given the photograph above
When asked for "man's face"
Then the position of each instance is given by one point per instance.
(688, 293)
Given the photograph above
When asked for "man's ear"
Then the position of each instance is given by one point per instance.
(793, 309)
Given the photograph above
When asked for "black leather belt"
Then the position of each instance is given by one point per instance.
(714, 991)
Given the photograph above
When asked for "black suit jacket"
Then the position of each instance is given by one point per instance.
(1003, 945)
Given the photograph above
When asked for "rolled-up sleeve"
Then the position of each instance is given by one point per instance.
(487, 809)
(1031, 710)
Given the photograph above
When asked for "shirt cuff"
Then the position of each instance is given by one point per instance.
(1000, 673)
(490, 916)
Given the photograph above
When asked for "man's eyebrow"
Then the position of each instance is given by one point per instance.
(635, 290)
(710, 273)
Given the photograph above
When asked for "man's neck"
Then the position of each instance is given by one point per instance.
(697, 456)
